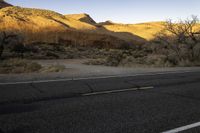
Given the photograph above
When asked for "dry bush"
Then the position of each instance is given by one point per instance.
(53, 68)
(117, 57)
(18, 66)
(96, 62)
(5, 39)
(179, 42)
(131, 61)
(13, 43)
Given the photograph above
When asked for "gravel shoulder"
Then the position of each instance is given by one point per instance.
(76, 69)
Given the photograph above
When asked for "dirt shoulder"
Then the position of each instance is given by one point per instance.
(75, 68)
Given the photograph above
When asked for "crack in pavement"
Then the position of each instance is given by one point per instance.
(37, 89)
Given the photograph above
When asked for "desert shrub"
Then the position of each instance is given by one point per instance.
(19, 49)
(158, 60)
(179, 41)
(52, 55)
(131, 61)
(18, 66)
(96, 62)
(54, 68)
(5, 39)
(114, 58)
(197, 51)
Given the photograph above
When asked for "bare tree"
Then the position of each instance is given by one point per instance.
(182, 37)
(183, 29)
(4, 39)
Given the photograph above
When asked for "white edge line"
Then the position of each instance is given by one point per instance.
(115, 91)
(176, 130)
(101, 77)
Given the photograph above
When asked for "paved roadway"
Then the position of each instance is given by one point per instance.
(135, 104)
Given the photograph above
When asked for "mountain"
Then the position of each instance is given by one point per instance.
(4, 4)
(18, 17)
(108, 22)
(143, 30)
(49, 26)
(38, 25)
(82, 17)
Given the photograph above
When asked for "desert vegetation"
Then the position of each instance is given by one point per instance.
(18, 66)
(27, 34)
(177, 44)
(180, 42)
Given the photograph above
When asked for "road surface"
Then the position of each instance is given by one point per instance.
(154, 103)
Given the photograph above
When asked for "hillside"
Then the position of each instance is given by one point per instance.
(46, 26)
(143, 30)
(18, 17)
(49, 26)
(4, 4)
(108, 22)
(37, 25)
(82, 17)
(124, 35)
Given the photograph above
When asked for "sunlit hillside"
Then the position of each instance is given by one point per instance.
(144, 30)
(17, 17)
(82, 17)
(49, 26)
(39, 33)
(124, 35)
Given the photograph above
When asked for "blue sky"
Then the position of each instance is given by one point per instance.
(124, 11)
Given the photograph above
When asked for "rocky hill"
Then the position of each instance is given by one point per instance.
(37, 25)
(143, 30)
(4, 4)
(82, 17)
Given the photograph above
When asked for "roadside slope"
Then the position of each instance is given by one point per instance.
(37, 25)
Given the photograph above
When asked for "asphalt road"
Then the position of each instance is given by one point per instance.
(135, 104)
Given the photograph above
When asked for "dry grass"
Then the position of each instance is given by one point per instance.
(18, 66)
(100, 61)
(82, 17)
(37, 25)
(50, 35)
(53, 68)
(48, 26)
(143, 30)
(144, 57)
(40, 17)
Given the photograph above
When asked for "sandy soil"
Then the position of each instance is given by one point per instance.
(76, 69)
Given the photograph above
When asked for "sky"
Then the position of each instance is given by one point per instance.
(121, 11)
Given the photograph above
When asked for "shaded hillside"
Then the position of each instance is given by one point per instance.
(48, 26)
(106, 23)
(82, 17)
(124, 35)
(4, 4)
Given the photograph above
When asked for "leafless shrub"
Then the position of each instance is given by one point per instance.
(5, 39)
(180, 39)
(17, 65)
(53, 68)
